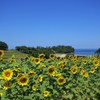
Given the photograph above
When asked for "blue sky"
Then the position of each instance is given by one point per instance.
(50, 23)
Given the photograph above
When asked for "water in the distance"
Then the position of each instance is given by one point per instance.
(85, 52)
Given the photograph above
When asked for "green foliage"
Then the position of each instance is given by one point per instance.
(3, 46)
(98, 51)
(76, 86)
(45, 50)
(63, 49)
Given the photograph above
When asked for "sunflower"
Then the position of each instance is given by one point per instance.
(46, 93)
(61, 80)
(92, 70)
(31, 73)
(40, 78)
(34, 87)
(58, 57)
(6, 85)
(19, 75)
(96, 62)
(74, 69)
(23, 80)
(81, 68)
(12, 61)
(41, 56)
(84, 61)
(60, 64)
(52, 56)
(7, 74)
(1, 94)
(31, 59)
(64, 63)
(1, 53)
(62, 58)
(36, 60)
(84, 73)
(51, 70)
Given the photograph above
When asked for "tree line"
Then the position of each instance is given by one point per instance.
(35, 51)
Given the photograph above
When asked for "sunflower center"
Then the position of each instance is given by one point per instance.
(7, 74)
(37, 60)
(23, 80)
(51, 70)
(61, 80)
(74, 70)
(96, 62)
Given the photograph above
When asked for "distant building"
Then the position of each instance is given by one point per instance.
(60, 55)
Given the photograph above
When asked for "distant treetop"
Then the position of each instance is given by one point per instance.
(98, 50)
(3, 46)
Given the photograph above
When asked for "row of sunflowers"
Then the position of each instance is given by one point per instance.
(56, 78)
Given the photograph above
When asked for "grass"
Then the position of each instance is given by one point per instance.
(9, 53)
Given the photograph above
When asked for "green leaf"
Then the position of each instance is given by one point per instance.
(27, 98)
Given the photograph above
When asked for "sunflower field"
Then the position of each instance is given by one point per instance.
(56, 78)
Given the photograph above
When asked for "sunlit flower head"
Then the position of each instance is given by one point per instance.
(84, 61)
(19, 75)
(81, 68)
(92, 70)
(64, 63)
(62, 58)
(6, 85)
(23, 80)
(34, 87)
(7, 74)
(60, 64)
(52, 56)
(41, 56)
(74, 69)
(84, 73)
(31, 59)
(46, 93)
(36, 60)
(61, 80)
(31, 73)
(96, 62)
(40, 78)
(58, 57)
(51, 70)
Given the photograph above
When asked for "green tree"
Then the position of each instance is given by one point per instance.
(3, 46)
(63, 49)
(98, 51)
